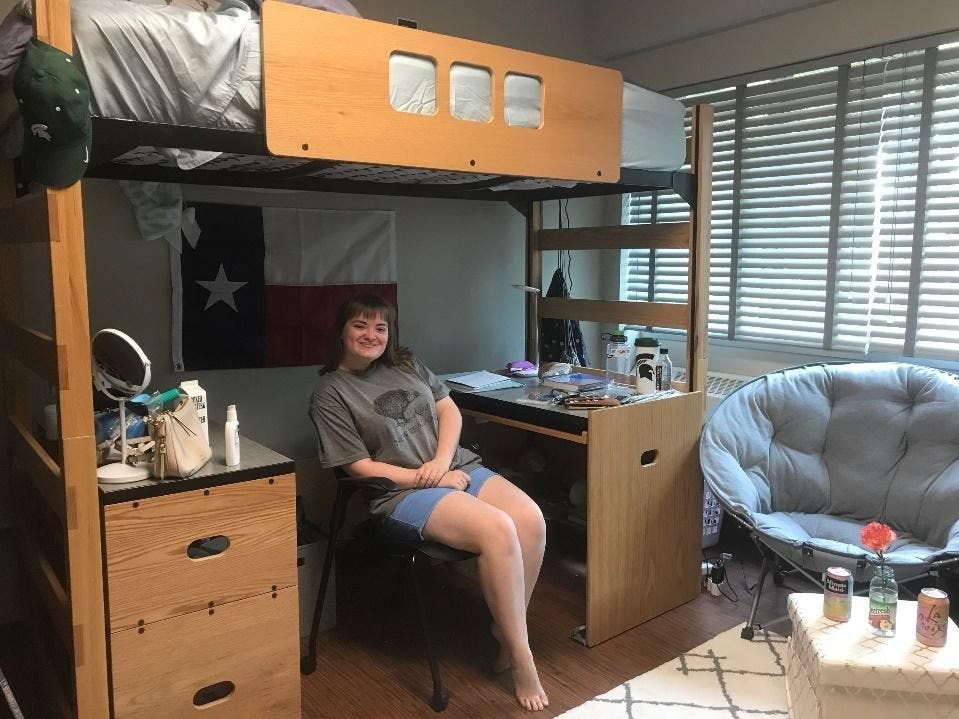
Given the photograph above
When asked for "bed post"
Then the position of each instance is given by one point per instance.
(534, 278)
(71, 336)
(701, 164)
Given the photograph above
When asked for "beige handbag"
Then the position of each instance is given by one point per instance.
(180, 449)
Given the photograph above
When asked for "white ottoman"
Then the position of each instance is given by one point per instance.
(840, 670)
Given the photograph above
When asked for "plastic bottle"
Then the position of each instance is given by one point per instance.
(617, 356)
(644, 364)
(231, 437)
(664, 371)
(198, 395)
(883, 600)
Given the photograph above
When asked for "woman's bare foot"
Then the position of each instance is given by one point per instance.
(529, 691)
(501, 663)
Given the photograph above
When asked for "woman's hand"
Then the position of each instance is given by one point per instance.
(430, 473)
(455, 478)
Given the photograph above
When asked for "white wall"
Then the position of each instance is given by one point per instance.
(455, 263)
(785, 36)
(549, 27)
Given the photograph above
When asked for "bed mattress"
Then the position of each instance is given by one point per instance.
(165, 64)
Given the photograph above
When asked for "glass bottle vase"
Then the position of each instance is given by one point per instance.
(883, 598)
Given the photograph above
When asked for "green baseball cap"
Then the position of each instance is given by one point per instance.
(54, 99)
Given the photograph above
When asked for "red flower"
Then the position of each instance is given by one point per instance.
(877, 536)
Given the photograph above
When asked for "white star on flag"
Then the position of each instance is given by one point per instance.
(221, 289)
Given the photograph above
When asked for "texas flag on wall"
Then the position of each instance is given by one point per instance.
(260, 286)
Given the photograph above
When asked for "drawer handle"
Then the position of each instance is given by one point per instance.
(208, 546)
(648, 457)
(213, 693)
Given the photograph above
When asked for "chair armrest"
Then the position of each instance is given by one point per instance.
(352, 483)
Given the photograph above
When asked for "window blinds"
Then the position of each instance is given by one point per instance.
(835, 210)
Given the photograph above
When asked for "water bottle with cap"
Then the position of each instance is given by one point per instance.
(664, 371)
(617, 356)
(644, 364)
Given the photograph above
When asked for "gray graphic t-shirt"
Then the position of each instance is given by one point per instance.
(385, 413)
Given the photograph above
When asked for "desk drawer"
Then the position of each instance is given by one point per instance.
(248, 650)
(150, 575)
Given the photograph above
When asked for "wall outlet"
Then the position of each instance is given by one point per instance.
(403, 22)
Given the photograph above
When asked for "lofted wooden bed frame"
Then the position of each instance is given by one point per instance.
(57, 504)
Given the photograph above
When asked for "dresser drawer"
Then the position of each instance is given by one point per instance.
(161, 560)
(241, 661)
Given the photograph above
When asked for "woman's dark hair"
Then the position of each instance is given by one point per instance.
(368, 306)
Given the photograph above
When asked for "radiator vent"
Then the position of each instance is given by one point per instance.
(718, 384)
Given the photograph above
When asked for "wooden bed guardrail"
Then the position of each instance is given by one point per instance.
(326, 80)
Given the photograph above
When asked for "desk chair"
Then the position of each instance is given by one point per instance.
(418, 557)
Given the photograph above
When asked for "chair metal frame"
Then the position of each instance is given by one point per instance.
(418, 557)
(773, 559)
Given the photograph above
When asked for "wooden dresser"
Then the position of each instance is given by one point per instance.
(201, 594)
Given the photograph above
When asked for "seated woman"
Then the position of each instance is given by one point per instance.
(380, 413)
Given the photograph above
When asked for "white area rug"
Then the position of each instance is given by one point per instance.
(724, 677)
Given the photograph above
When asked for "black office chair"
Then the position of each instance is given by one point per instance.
(418, 556)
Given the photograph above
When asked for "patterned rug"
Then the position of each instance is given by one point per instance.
(726, 677)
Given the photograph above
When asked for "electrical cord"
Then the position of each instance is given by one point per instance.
(717, 577)
(742, 569)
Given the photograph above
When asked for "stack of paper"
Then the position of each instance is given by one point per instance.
(483, 381)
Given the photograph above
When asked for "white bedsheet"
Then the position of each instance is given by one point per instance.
(166, 64)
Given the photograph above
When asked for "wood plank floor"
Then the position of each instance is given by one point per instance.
(373, 664)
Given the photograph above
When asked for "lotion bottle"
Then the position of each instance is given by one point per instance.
(231, 437)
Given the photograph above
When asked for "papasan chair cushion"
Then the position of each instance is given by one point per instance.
(806, 456)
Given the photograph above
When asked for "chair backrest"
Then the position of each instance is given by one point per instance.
(861, 441)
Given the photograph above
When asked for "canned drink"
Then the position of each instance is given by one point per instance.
(932, 617)
(837, 594)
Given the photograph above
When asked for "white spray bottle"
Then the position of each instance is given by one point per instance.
(231, 437)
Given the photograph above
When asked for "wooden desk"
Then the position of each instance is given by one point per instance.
(202, 591)
(644, 498)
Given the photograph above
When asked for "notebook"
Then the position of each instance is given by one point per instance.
(483, 381)
(576, 382)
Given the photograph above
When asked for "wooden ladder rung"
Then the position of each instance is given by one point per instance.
(34, 350)
(657, 314)
(44, 668)
(43, 471)
(50, 590)
(25, 220)
(667, 235)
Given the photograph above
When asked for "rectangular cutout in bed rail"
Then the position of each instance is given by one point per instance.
(327, 95)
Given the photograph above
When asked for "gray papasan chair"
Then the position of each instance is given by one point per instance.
(806, 456)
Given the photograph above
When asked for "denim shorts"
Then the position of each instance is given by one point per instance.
(406, 522)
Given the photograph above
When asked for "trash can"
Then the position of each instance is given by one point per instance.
(309, 566)
(712, 518)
